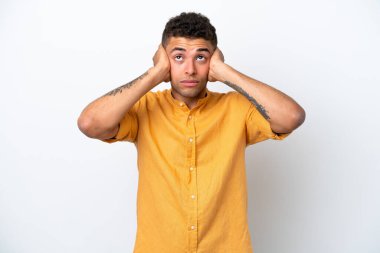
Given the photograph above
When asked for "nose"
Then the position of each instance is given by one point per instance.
(190, 68)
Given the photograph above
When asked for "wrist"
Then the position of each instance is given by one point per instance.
(219, 71)
(159, 74)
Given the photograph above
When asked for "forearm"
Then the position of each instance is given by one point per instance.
(282, 112)
(100, 119)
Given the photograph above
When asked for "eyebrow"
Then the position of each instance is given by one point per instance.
(202, 49)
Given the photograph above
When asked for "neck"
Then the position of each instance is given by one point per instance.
(191, 102)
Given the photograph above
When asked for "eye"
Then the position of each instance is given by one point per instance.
(178, 57)
(200, 58)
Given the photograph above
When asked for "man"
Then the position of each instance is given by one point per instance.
(191, 141)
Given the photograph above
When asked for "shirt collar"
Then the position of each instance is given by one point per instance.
(181, 104)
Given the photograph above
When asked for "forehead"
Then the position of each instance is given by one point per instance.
(188, 44)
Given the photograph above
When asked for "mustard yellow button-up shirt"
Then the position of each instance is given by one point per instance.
(192, 194)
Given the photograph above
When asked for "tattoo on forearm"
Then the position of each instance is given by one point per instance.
(259, 107)
(125, 86)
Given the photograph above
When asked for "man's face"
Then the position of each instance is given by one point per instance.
(189, 66)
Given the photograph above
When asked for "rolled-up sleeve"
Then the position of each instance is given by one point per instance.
(258, 128)
(128, 126)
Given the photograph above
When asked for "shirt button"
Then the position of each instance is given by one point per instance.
(180, 104)
(189, 116)
(193, 196)
(190, 139)
(191, 168)
(192, 227)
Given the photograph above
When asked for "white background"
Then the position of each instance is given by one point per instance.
(317, 191)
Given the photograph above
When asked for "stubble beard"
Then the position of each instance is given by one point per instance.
(189, 93)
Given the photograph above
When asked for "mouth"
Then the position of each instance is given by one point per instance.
(189, 83)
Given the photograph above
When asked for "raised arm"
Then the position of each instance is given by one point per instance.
(100, 119)
(282, 112)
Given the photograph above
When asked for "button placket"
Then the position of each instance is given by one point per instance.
(192, 185)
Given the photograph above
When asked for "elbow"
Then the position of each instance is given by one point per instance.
(291, 120)
(296, 118)
(85, 125)
(88, 126)
(94, 127)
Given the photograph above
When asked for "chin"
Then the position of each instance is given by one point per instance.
(190, 92)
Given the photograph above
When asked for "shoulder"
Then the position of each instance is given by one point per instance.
(230, 104)
(153, 96)
(231, 97)
(153, 100)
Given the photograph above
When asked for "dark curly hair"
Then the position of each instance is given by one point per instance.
(189, 25)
